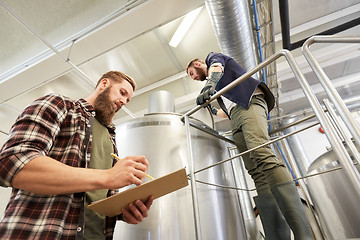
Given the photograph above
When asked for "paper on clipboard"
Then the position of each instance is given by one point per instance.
(112, 206)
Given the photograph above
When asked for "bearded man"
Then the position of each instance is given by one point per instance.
(58, 159)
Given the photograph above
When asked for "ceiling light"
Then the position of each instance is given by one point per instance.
(184, 27)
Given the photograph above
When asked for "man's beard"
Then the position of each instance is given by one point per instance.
(104, 108)
(200, 72)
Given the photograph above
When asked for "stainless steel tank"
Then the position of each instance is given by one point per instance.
(161, 102)
(334, 200)
(161, 138)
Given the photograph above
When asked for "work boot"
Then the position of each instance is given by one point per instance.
(288, 200)
(274, 223)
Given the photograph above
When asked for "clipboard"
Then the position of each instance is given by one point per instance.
(159, 187)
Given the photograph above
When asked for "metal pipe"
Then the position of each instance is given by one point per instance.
(352, 102)
(291, 115)
(237, 81)
(192, 180)
(326, 83)
(211, 132)
(280, 129)
(339, 149)
(317, 230)
(5, 133)
(300, 157)
(252, 231)
(264, 78)
(344, 158)
(255, 148)
(330, 31)
(350, 172)
(334, 124)
(347, 139)
(291, 165)
(226, 187)
(285, 27)
(285, 23)
(257, 29)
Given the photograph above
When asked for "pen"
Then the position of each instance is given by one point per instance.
(115, 156)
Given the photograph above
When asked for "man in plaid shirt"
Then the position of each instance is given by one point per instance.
(46, 160)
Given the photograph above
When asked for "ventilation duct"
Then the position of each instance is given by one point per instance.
(230, 20)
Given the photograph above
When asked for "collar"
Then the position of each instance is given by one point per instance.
(90, 110)
(87, 107)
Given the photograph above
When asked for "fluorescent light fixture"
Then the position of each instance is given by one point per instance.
(184, 27)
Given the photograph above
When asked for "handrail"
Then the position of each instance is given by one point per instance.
(192, 180)
(239, 80)
(326, 83)
(280, 129)
(349, 169)
(257, 147)
(352, 102)
(344, 158)
(185, 119)
(347, 138)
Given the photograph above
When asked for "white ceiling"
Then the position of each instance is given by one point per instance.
(132, 36)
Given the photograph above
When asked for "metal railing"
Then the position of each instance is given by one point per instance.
(334, 96)
(342, 134)
(339, 149)
(330, 132)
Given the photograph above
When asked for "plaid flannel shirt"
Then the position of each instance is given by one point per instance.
(60, 128)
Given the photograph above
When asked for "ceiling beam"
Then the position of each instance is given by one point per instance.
(337, 16)
(317, 88)
(160, 83)
(326, 57)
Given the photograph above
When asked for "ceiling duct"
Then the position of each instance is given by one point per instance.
(230, 20)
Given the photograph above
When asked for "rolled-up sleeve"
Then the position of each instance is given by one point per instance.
(31, 135)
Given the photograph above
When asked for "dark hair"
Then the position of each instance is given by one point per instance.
(191, 63)
(117, 76)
